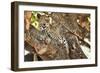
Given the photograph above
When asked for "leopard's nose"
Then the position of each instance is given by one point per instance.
(44, 25)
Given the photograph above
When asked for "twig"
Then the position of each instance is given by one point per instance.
(80, 38)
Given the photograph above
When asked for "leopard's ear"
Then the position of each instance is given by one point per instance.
(50, 20)
(39, 15)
